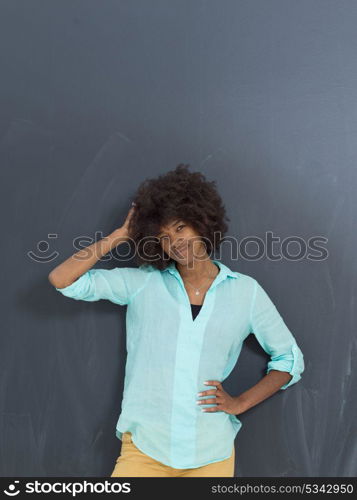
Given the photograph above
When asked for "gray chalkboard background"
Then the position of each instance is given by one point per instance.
(259, 95)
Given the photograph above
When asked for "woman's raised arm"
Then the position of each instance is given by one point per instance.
(75, 266)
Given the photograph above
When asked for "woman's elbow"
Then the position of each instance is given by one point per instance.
(56, 281)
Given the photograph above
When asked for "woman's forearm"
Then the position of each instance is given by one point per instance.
(265, 388)
(76, 265)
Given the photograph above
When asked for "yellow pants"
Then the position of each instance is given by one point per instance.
(132, 462)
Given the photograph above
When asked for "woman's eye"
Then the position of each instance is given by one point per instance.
(178, 227)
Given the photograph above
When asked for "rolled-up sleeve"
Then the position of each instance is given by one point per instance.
(119, 285)
(274, 336)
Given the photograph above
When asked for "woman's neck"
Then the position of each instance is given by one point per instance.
(198, 269)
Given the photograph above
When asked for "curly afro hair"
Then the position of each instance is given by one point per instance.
(177, 194)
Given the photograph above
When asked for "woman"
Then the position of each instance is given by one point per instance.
(187, 318)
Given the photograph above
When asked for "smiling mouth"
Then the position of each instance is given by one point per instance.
(181, 250)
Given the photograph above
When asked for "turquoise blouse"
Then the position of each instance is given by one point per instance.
(170, 355)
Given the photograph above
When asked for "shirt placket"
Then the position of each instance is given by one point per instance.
(187, 362)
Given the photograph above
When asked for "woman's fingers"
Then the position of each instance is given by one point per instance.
(207, 401)
(128, 217)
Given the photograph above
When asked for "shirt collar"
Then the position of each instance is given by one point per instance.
(225, 271)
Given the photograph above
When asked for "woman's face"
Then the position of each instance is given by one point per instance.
(181, 242)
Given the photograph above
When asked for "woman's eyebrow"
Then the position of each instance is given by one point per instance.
(173, 224)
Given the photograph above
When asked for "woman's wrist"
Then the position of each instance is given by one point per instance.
(240, 405)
